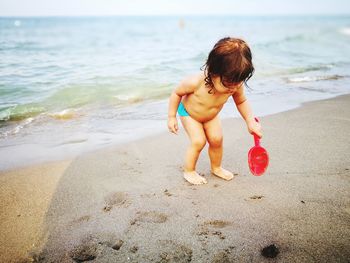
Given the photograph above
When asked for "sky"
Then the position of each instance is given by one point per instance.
(172, 7)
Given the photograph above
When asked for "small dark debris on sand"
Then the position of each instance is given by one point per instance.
(270, 251)
(167, 193)
(107, 208)
(217, 223)
(134, 249)
(255, 197)
(302, 201)
(219, 234)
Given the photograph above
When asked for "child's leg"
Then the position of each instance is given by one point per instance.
(196, 134)
(213, 132)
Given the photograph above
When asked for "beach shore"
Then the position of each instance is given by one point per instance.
(130, 203)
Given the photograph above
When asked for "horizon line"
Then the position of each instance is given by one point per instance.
(175, 15)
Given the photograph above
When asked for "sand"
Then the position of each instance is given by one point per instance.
(129, 203)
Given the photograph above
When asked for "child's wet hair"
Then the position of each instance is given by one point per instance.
(231, 60)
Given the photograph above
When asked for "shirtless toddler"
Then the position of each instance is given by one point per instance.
(198, 100)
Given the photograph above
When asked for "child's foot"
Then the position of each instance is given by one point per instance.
(194, 178)
(222, 173)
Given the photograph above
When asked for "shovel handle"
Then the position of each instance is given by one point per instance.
(256, 137)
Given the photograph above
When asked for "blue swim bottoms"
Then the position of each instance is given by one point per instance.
(182, 111)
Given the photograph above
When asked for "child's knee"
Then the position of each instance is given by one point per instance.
(198, 143)
(215, 141)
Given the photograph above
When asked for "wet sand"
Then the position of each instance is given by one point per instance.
(130, 203)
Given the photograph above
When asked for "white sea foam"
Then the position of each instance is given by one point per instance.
(17, 128)
(17, 23)
(66, 114)
(313, 78)
(345, 31)
(128, 98)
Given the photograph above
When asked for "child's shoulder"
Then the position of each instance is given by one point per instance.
(193, 81)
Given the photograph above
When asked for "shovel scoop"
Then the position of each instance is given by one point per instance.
(258, 158)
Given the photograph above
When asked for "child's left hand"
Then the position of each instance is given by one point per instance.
(254, 127)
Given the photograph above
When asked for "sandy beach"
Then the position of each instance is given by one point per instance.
(130, 203)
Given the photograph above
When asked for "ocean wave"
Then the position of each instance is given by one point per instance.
(65, 114)
(289, 39)
(20, 112)
(128, 98)
(21, 45)
(17, 128)
(310, 68)
(314, 89)
(313, 78)
(268, 72)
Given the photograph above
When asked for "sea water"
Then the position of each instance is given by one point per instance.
(73, 84)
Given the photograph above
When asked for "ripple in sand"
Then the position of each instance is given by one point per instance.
(80, 220)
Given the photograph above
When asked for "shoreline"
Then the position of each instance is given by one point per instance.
(16, 157)
(130, 202)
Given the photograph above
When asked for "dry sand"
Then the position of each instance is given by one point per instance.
(130, 203)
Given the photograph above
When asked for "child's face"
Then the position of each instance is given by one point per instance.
(223, 86)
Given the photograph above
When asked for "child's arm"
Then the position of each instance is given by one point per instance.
(187, 86)
(246, 112)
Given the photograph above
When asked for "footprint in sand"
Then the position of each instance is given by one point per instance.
(150, 217)
(84, 252)
(224, 256)
(169, 251)
(116, 199)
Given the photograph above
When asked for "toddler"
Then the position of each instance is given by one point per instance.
(198, 100)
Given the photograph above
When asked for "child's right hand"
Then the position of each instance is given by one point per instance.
(254, 127)
(172, 125)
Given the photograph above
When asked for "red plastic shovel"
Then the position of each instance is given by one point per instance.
(258, 158)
